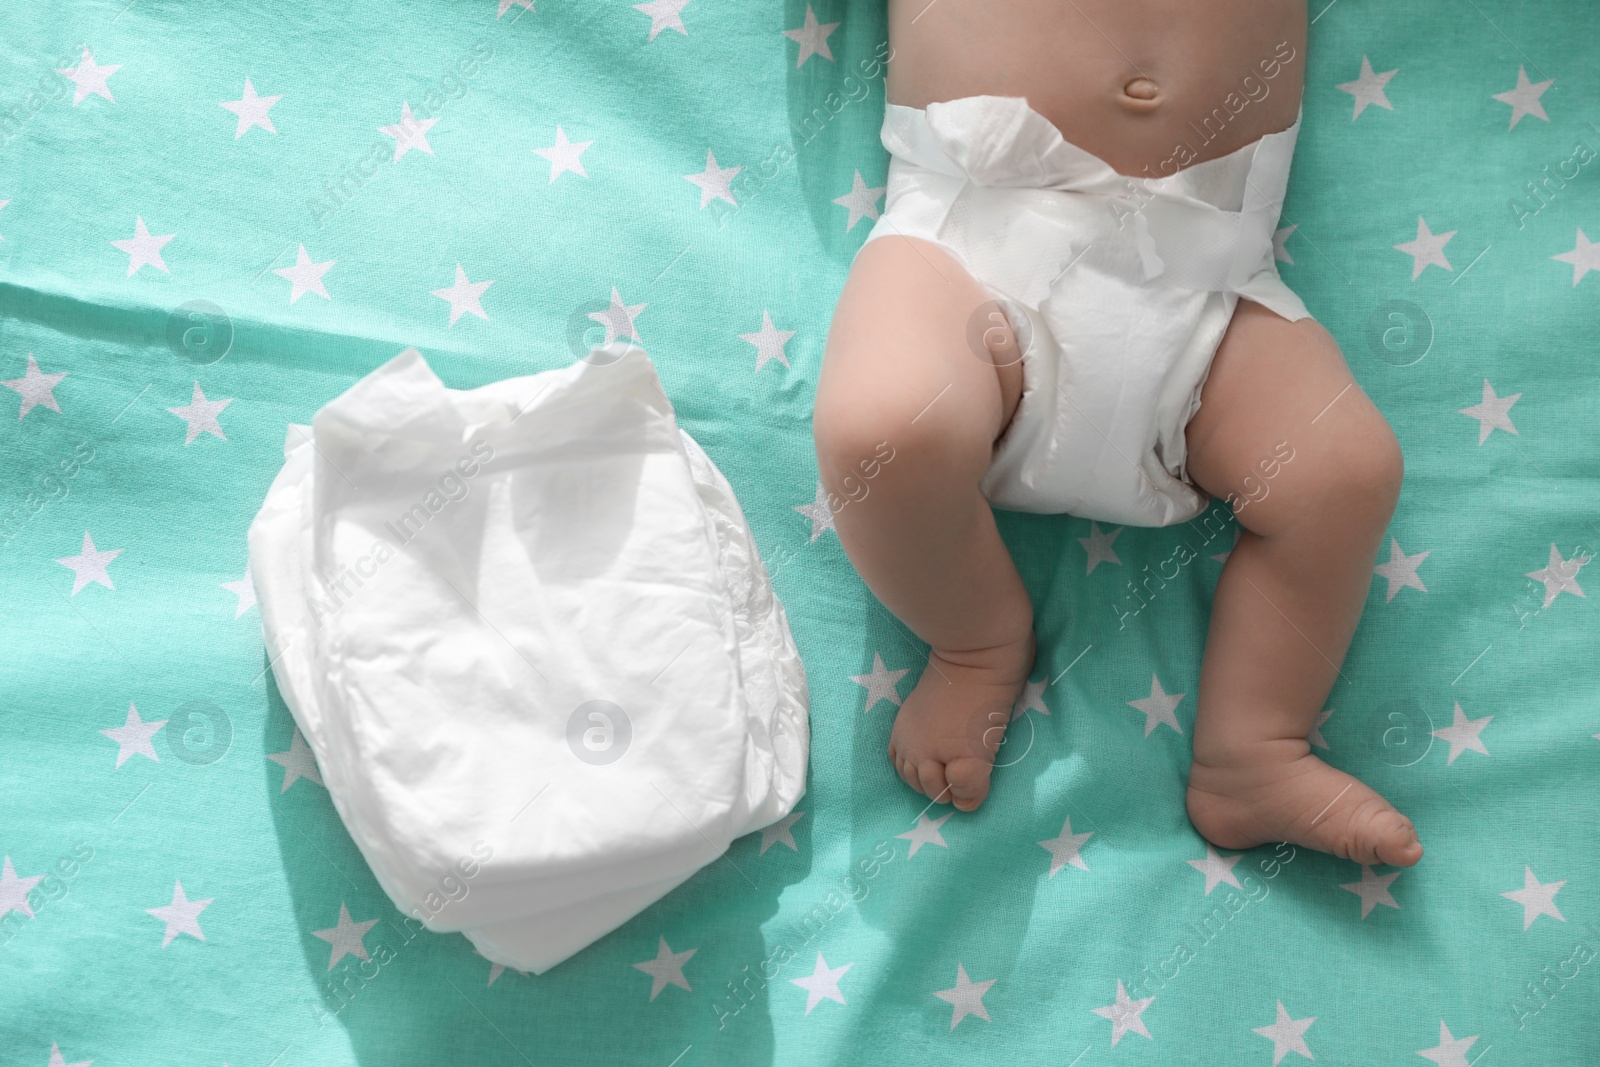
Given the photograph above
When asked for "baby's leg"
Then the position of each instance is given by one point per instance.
(899, 375)
(1291, 593)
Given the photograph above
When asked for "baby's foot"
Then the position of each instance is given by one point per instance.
(1278, 791)
(949, 728)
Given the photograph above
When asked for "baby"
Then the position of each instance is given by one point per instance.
(1070, 304)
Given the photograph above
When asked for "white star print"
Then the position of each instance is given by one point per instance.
(618, 318)
(1099, 546)
(820, 514)
(1280, 251)
(812, 38)
(967, 996)
(251, 110)
(133, 737)
(769, 341)
(564, 156)
(58, 1060)
(305, 276)
(822, 984)
(299, 762)
(861, 200)
(245, 590)
(1427, 249)
(1373, 889)
(1451, 1051)
(1315, 736)
(505, 5)
(666, 969)
(410, 132)
(1032, 699)
(1401, 570)
(1584, 257)
(1462, 733)
(1536, 899)
(89, 78)
(781, 832)
(3, 204)
(1368, 89)
(1287, 1035)
(1125, 1015)
(1066, 848)
(714, 181)
(14, 891)
(926, 832)
(664, 15)
(201, 415)
(1217, 868)
(1158, 707)
(1524, 99)
(89, 565)
(1493, 413)
(182, 916)
(881, 684)
(35, 388)
(1559, 576)
(346, 937)
(144, 248)
(463, 296)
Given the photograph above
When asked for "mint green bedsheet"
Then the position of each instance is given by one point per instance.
(855, 932)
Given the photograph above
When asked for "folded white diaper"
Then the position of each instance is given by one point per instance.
(1119, 291)
(530, 641)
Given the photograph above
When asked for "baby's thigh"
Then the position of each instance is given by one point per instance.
(1284, 433)
(907, 361)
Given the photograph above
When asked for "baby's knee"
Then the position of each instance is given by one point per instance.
(1353, 481)
(1370, 466)
(1347, 478)
(844, 433)
(897, 439)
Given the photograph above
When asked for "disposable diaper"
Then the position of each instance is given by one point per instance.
(525, 630)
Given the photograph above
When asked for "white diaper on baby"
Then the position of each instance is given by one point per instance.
(529, 639)
(1119, 291)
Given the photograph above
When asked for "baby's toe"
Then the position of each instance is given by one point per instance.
(908, 775)
(934, 784)
(1378, 834)
(1396, 842)
(968, 779)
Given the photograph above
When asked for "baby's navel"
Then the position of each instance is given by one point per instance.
(1141, 94)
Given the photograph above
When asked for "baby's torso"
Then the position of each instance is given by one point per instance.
(1150, 86)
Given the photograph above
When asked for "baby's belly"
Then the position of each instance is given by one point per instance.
(1149, 86)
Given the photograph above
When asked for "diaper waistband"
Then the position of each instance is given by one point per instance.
(1019, 175)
